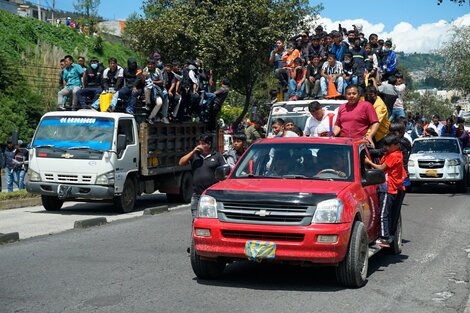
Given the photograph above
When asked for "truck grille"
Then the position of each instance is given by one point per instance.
(251, 235)
(438, 175)
(68, 178)
(431, 163)
(268, 213)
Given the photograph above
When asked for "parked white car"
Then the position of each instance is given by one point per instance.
(438, 160)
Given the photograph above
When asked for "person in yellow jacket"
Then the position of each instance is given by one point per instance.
(371, 95)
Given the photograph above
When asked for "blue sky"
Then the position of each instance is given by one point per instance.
(413, 25)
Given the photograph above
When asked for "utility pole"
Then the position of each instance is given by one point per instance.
(39, 10)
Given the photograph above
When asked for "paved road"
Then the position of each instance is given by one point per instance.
(141, 265)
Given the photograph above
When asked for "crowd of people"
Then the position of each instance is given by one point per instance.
(322, 65)
(173, 91)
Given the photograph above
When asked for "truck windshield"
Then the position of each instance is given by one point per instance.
(435, 145)
(313, 161)
(69, 132)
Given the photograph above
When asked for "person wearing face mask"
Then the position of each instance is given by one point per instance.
(371, 95)
(389, 61)
(92, 83)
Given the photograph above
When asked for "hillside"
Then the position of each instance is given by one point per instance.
(419, 61)
(30, 51)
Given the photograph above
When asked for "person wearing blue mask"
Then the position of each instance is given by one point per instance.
(92, 83)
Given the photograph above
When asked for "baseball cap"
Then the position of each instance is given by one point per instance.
(435, 116)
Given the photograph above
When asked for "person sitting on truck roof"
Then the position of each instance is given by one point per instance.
(312, 83)
(203, 160)
(237, 149)
(155, 93)
(92, 83)
(356, 117)
(389, 61)
(318, 124)
(134, 83)
(276, 59)
(72, 76)
(113, 79)
(350, 70)
(449, 130)
(331, 70)
(298, 75)
(215, 101)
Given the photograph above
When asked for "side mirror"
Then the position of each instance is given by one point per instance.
(222, 172)
(373, 177)
(121, 143)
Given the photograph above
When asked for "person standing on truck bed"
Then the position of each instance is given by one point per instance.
(356, 117)
(203, 160)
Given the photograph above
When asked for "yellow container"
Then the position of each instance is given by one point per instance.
(105, 101)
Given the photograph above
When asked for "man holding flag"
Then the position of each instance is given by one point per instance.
(320, 123)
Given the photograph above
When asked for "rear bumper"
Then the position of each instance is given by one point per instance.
(76, 191)
(293, 244)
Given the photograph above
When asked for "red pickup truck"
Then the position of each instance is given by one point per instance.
(306, 201)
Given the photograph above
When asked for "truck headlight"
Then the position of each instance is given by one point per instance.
(328, 211)
(411, 163)
(105, 179)
(34, 176)
(207, 207)
(453, 162)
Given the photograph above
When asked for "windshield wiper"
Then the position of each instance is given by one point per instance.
(85, 148)
(296, 176)
(50, 147)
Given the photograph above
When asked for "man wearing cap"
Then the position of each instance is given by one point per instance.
(436, 125)
(92, 83)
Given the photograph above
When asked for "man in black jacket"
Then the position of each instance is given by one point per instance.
(92, 83)
(134, 84)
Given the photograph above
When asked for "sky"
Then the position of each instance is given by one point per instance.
(412, 25)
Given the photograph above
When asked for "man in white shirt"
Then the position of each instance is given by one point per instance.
(317, 125)
(436, 125)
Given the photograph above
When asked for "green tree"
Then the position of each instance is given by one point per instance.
(455, 69)
(233, 38)
(428, 105)
(89, 8)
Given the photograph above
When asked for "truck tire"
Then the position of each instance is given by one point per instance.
(395, 246)
(125, 202)
(186, 190)
(352, 271)
(206, 269)
(51, 203)
(461, 186)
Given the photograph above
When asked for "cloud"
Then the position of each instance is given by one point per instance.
(406, 37)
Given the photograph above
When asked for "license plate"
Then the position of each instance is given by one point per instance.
(431, 173)
(63, 191)
(258, 250)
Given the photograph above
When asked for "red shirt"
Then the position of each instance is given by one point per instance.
(395, 172)
(355, 120)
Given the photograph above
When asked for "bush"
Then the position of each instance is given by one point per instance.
(19, 194)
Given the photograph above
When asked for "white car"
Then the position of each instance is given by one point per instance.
(438, 160)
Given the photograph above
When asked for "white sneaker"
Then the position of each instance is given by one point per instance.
(165, 120)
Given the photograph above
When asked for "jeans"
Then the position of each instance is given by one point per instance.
(19, 177)
(339, 82)
(312, 89)
(347, 83)
(65, 92)
(282, 75)
(396, 113)
(10, 178)
(112, 105)
(293, 89)
(129, 96)
(91, 92)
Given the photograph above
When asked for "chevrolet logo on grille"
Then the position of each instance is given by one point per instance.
(263, 213)
(67, 156)
(431, 164)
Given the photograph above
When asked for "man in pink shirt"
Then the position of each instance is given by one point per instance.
(355, 117)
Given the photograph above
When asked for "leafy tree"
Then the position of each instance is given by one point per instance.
(428, 105)
(459, 2)
(233, 38)
(455, 70)
(89, 8)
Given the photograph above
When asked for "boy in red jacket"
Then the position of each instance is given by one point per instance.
(392, 164)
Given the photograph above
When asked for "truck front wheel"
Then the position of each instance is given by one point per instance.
(352, 271)
(205, 269)
(51, 203)
(125, 202)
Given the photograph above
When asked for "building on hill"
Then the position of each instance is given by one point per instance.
(115, 28)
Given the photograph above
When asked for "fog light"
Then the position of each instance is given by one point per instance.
(327, 238)
(203, 232)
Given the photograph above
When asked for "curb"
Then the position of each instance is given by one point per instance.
(19, 203)
(156, 210)
(10, 237)
(90, 222)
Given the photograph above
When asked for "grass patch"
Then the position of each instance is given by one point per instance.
(19, 194)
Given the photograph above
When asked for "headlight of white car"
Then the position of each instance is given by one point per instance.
(328, 211)
(105, 179)
(411, 163)
(34, 176)
(207, 207)
(453, 162)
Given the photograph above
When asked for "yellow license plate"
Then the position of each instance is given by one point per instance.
(431, 173)
(258, 250)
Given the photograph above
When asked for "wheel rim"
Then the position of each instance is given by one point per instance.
(127, 195)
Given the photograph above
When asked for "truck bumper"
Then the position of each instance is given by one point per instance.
(293, 244)
(75, 191)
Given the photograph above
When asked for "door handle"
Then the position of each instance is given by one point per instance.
(135, 160)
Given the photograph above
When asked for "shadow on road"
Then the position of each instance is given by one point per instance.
(442, 189)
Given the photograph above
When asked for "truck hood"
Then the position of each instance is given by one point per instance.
(281, 186)
(435, 156)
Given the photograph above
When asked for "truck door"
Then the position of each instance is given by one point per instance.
(128, 160)
(373, 201)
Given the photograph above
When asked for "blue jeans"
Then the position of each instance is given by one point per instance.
(397, 113)
(339, 82)
(129, 97)
(10, 178)
(15, 176)
(293, 89)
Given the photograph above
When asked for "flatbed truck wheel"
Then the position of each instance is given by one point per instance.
(125, 202)
(51, 203)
